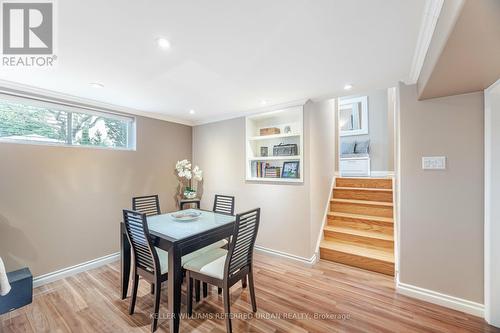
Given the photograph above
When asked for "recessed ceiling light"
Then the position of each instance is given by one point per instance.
(263, 102)
(348, 86)
(191, 112)
(163, 43)
(96, 85)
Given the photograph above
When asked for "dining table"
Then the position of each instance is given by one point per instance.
(178, 238)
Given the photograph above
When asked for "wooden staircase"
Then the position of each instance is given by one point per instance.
(360, 228)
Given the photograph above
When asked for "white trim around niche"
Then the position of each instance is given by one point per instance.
(373, 174)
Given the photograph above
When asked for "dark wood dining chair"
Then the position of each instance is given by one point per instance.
(224, 268)
(148, 204)
(148, 261)
(224, 204)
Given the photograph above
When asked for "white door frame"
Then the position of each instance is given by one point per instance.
(491, 208)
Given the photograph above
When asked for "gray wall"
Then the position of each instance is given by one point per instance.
(380, 126)
(61, 206)
(441, 225)
(289, 223)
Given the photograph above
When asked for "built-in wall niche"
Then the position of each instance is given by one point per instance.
(274, 145)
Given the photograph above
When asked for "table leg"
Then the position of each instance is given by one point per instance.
(125, 261)
(174, 288)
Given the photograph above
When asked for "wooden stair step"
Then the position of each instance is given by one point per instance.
(361, 222)
(363, 189)
(363, 193)
(378, 260)
(361, 233)
(385, 183)
(364, 202)
(368, 238)
(360, 217)
(363, 207)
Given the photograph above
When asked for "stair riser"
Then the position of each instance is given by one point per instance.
(357, 261)
(361, 209)
(356, 239)
(364, 182)
(363, 195)
(383, 227)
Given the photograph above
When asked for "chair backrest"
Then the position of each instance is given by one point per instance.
(224, 204)
(143, 251)
(149, 205)
(241, 247)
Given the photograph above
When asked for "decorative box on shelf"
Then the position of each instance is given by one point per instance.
(269, 131)
(266, 155)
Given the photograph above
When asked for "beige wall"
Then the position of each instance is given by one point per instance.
(380, 131)
(322, 143)
(468, 60)
(441, 225)
(286, 226)
(61, 206)
(492, 209)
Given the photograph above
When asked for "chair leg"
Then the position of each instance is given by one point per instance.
(244, 282)
(152, 288)
(189, 294)
(227, 308)
(252, 290)
(134, 294)
(197, 290)
(219, 291)
(205, 289)
(154, 324)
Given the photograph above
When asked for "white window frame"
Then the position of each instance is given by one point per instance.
(72, 108)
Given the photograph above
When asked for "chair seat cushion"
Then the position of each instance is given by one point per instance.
(211, 263)
(163, 255)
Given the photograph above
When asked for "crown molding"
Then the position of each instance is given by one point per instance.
(249, 112)
(23, 90)
(432, 10)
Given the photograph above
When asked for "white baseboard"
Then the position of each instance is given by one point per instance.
(308, 261)
(435, 297)
(69, 271)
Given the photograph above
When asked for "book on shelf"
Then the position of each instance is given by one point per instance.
(272, 172)
(265, 170)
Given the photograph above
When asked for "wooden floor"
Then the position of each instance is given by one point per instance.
(289, 297)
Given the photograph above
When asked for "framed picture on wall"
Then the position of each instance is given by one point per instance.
(290, 170)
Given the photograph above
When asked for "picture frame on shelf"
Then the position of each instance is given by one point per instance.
(290, 169)
(264, 151)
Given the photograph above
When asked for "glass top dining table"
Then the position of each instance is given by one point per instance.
(178, 238)
(168, 226)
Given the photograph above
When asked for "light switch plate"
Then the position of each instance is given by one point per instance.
(434, 162)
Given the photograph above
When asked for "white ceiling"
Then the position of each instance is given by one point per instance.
(226, 55)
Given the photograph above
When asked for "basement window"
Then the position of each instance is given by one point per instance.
(26, 120)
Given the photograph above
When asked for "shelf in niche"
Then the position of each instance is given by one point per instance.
(273, 136)
(275, 158)
(276, 180)
(289, 117)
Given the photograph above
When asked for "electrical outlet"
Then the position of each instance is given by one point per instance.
(434, 163)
